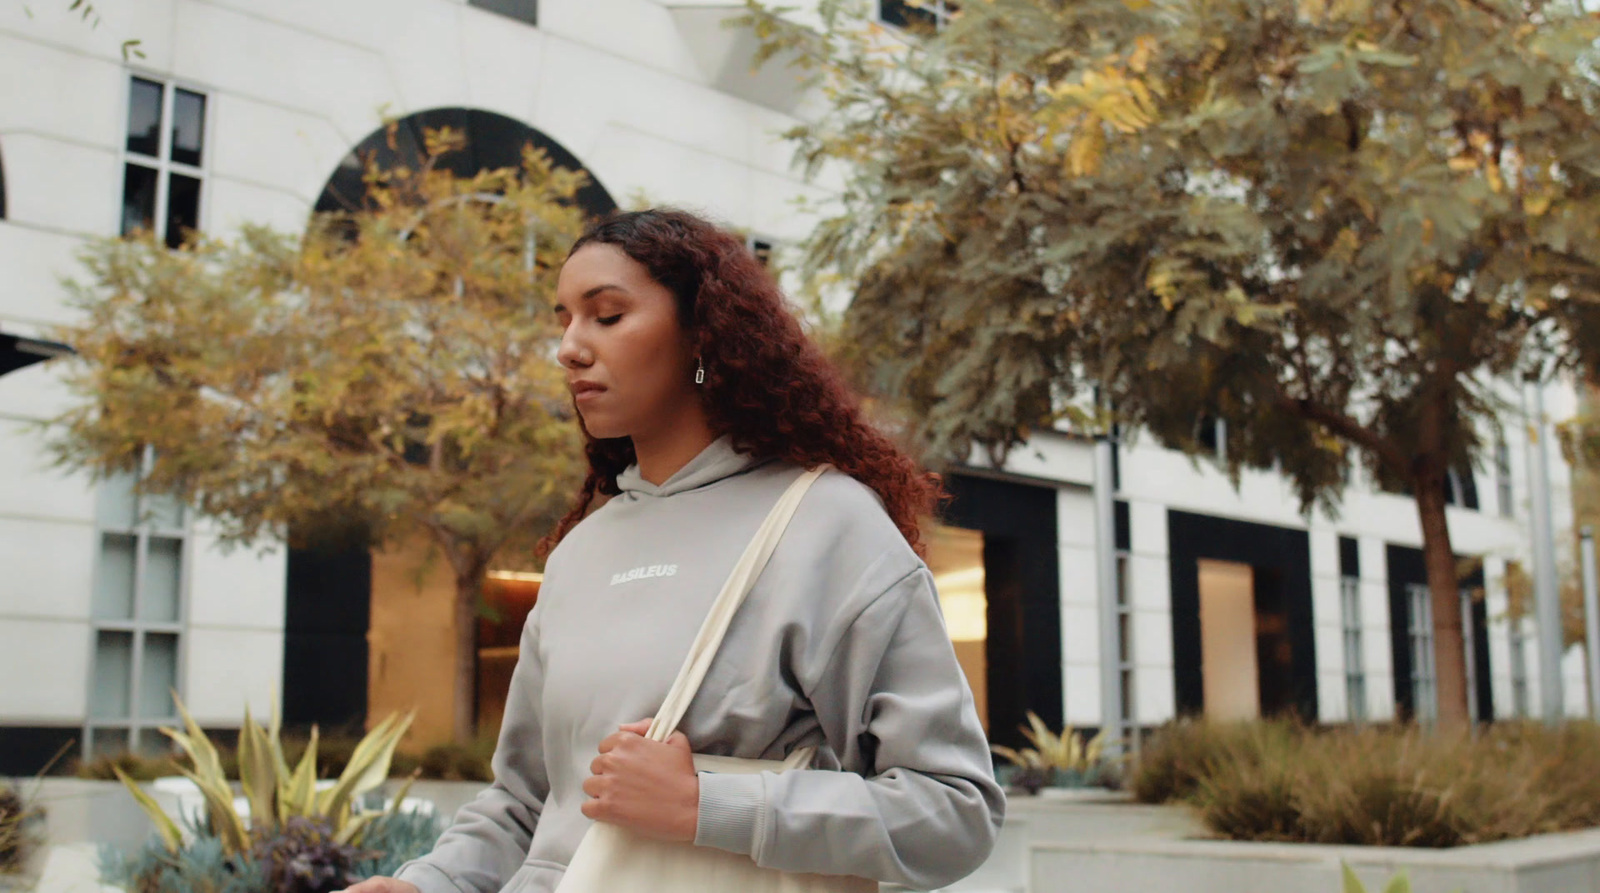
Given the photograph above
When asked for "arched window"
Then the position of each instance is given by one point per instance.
(493, 141)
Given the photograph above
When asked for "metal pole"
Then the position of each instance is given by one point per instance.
(1105, 550)
(1546, 593)
(1591, 613)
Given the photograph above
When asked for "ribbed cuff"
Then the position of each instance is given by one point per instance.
(427, 878)
(733, 808)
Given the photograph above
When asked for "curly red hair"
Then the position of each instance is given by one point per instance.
(766, 384)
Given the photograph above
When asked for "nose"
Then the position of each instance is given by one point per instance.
(573, 353)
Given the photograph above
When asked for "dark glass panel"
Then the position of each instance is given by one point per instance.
(902, 14)
(138, 199)
(188, 127)
(144, 118)
(183, 208)
(521, 10)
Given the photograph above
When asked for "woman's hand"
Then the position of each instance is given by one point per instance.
(382, 885)
(646, 786)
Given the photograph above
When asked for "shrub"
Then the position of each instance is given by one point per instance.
(447, 762)
(1380, 787)
(302, 857)
(1174, 760)
(275, 792)
(138, 767)
(19, 830)
(458, 762)
(1065, 759)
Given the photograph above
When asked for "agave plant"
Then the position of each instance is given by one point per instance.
(275, 792)
(1063, 753)
(1400, 883)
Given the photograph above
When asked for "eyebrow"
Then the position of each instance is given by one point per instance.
(609, 286)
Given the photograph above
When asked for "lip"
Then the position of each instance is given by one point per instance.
(583, 389)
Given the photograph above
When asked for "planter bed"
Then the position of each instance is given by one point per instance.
(1550, 863)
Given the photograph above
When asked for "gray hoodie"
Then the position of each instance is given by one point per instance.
(839, 644)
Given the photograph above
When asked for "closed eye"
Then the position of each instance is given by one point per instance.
(608, 320)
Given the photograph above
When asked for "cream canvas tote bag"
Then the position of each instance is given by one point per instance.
(612, 859)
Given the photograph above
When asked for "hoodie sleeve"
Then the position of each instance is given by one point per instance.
(924, 809)
(489, 838)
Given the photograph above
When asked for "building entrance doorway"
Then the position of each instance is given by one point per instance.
(1246, 659)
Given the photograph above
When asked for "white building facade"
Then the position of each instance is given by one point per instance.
(239, 112)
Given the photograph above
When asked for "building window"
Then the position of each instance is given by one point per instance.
(1519, 668)
(164, 162)
(137, 612)
(762, 248)
(1461, 488)
(1125, 651)
(522, 10)
(1469, 651)
(1424, 677)
(1502, 476)
(929, 14)
(1355, 674)
(1212, 433)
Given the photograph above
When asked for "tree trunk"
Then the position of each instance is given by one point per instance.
(464, 723)
(1444, 588)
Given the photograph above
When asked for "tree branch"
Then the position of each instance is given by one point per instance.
(1346, 427)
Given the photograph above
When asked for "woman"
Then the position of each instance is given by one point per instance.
(702, 400)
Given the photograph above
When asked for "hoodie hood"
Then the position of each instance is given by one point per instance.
(716, 462)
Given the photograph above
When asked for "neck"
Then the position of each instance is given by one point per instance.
(662, 453)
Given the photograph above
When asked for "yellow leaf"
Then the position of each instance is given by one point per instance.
(1496, 181)
(1143, 49)
(1536, 205)
(171, 837)
(1087, 148)
(1462, 163)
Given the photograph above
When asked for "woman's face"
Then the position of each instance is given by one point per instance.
(629, 362)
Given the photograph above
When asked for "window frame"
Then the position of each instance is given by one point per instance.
(1127, 657)
(1521, 704)
(753, 243)
(1355, 662)
(939, 10)
(163, 165)
(1505, 492)
(143, 529)
(1424, 672)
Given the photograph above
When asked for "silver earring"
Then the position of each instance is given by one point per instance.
(699, 372)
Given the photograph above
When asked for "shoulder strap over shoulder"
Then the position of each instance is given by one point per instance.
(744, 575)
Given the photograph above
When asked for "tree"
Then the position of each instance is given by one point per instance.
(1340, 226)
(393, 371)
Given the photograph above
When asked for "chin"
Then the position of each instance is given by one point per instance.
(603, 428)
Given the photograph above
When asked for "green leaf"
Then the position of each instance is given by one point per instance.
(368, 766)
(1352, 884)
(171, 836)
(258, 774)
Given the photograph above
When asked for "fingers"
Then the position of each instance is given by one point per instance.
(382, 885)
(631, 730)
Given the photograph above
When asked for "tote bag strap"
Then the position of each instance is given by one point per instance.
(744, 575)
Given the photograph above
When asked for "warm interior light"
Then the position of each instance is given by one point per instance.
(517, 576)
(956, 558)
